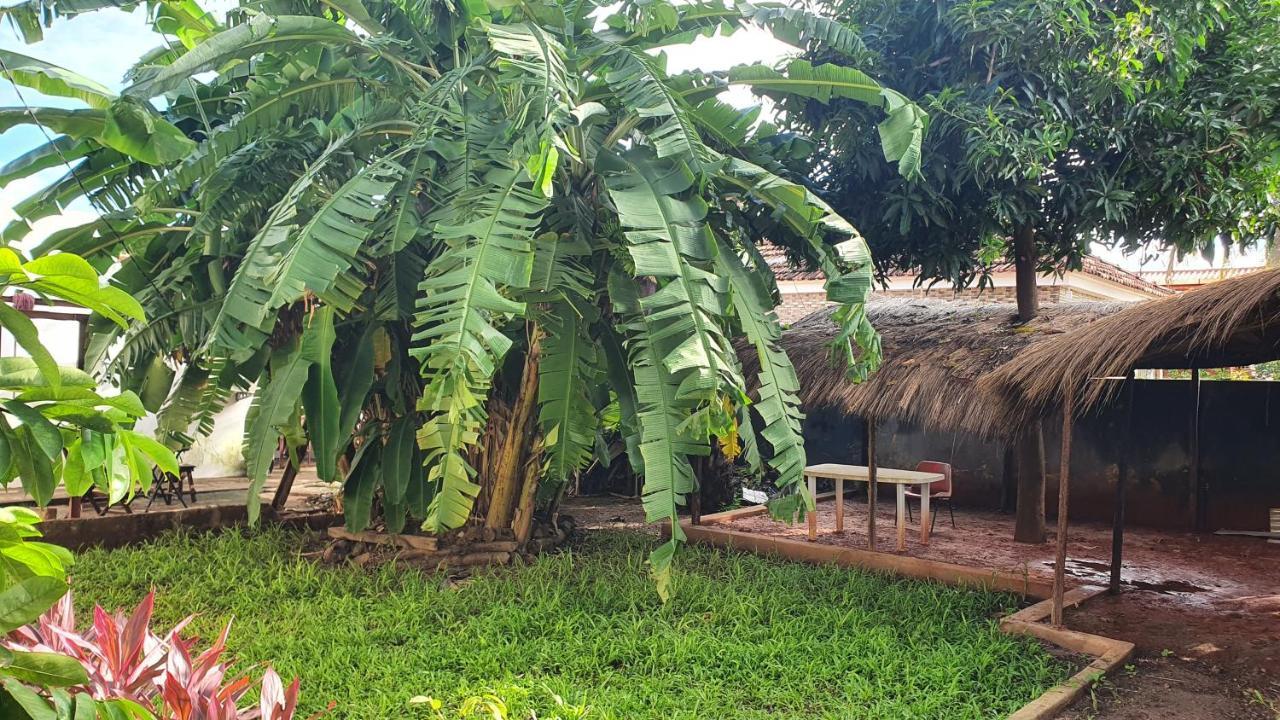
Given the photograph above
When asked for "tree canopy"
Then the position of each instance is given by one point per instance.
(1132, 123)
(497, 228)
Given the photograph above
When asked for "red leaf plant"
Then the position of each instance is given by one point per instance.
(126, 660)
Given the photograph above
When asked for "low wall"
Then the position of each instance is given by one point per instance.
(118, 530)
(1239, 459)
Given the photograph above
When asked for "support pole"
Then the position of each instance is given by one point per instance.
(1196, 482)
(1122, 478)
(285, 487)
(1064, 484)
(872, 489)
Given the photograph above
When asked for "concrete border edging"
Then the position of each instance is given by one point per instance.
(1108, 654)
(817, 554)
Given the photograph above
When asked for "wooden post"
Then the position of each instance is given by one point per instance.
(839, 505)
(872, 489)
(1193, 451)
(901, 491)
(1122, 477)
(813, 514)
(285, 487)
(1064, 484)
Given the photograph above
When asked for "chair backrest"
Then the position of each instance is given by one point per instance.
(933, 466)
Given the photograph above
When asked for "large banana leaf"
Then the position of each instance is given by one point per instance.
(901, 133)
(49, 79)
(320, 393)
(457, 344)
(273, 407)
(263, 33)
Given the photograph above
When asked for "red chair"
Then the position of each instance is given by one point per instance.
(939, 491)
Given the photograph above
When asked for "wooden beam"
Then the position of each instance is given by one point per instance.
(1064, 485)
(872, 488)
(1122, 478)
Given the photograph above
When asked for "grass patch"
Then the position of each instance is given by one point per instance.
(744, 637)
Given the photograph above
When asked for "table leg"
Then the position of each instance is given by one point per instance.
(924, 513)
(813, 514)
(839, 506)
(902, 516)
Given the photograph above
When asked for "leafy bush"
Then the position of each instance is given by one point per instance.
(37, 683)
(54, 425)
(121, 657)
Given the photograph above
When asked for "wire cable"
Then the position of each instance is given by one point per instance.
(102, 212)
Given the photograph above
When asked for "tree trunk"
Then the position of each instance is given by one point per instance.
(522, 523)
(508, 466)
(1029, 522)
(1025, 259)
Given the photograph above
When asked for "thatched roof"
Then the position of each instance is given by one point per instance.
(1227, 324)
(934, 353)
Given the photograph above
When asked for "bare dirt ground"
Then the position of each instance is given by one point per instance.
(607, 512)
(1203, 610)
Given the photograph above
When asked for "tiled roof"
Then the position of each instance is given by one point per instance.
(1092, 265)
(1196, 276)
(782, 269)
(1096, 266)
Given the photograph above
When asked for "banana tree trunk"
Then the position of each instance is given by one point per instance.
(508, 466)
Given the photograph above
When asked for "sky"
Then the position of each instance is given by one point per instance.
(103, 45)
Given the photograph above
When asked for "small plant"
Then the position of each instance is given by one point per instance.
(1257, 698)
(120, 658)
(38, 682)
(490, 706)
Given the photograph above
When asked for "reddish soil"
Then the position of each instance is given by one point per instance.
(1203, 610)
(607, 512)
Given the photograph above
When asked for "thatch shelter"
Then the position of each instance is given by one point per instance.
(935, 352)
(1232, 323)
(1228, 324)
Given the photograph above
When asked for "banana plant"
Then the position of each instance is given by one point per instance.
(438, 240)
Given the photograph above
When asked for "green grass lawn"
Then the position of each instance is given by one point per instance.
(744, 637)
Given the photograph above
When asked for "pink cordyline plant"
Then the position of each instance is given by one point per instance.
(126, 660)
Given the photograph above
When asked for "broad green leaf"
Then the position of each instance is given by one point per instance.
(20, 373)
(901, 133)
(25, 334)
(22, 703)
(43, 432)
(355, 376)
(45, 669)
(279, 392)
(49, 79)
(25, 601)
(154, 451)
(261, 34)
(70, 277)
(76, 123)
(357, 492)
(135, 130)
(320, 394)
(396, 472)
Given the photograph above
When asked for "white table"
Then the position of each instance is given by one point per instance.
(860, 473)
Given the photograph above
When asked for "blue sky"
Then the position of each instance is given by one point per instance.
(100, 46)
